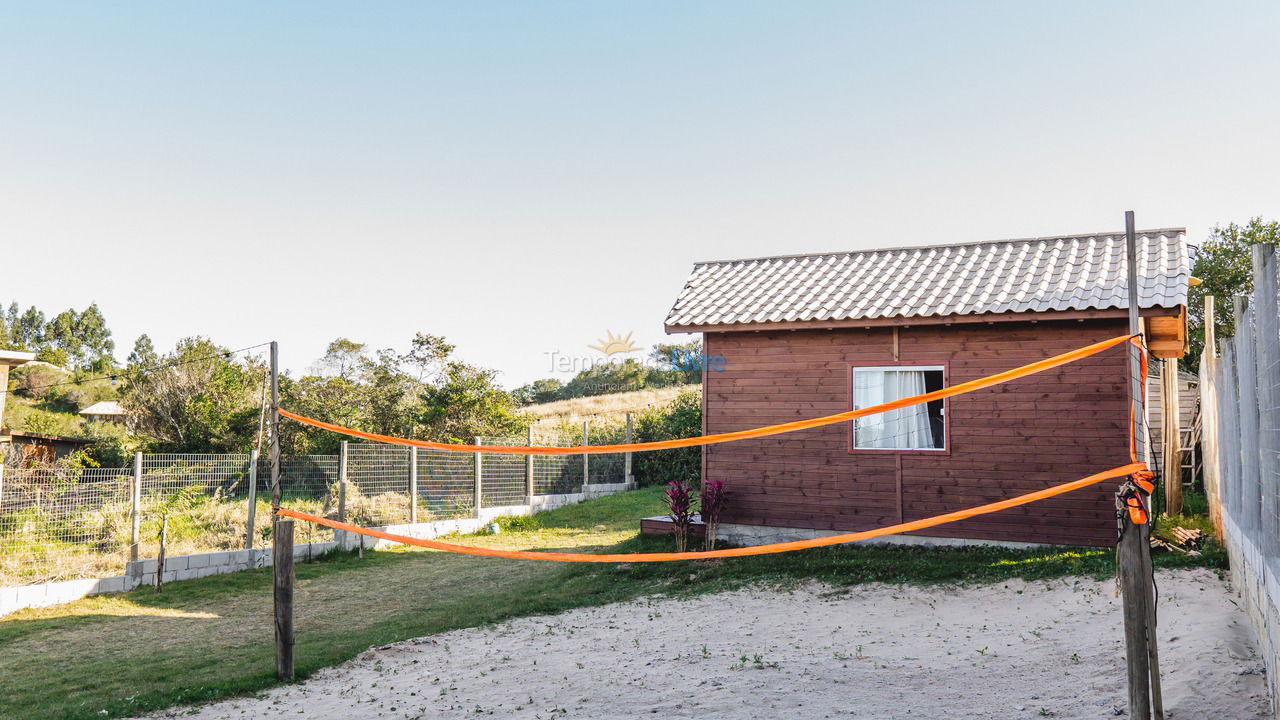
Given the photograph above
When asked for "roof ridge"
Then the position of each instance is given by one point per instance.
(1045, 238)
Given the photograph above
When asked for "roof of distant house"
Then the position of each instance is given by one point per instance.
(1063, 273)
(104, 408)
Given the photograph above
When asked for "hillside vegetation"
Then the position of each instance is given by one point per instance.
(611, 408)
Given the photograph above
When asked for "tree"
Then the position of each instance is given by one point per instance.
(607, 378)
(467, 403)
(539, 391)
(144, 353)
(428, 353)
(1224, 265)
(678, 364)
(196, 400)
(343, 358)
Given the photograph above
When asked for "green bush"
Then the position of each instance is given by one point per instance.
(680, 418)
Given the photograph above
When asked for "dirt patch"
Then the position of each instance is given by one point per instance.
(1009, 650)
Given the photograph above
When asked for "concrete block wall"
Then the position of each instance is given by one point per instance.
(1258, 586)
(190, 567)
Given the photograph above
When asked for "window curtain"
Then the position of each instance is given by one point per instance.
(904, 428)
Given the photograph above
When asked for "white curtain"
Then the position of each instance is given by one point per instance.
(904, 428)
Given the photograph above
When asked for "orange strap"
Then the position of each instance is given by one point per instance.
(1137, 513)
(986, 382)
(734, 552)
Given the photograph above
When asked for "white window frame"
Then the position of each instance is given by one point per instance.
(853, 400)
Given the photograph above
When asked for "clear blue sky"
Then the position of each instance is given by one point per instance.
(521, 177)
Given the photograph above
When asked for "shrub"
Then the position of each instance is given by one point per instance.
(681, 418)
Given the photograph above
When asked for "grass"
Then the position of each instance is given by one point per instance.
(211, 638)
(611, 408)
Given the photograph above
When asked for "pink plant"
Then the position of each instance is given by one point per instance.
(680, 506)
(712, 502)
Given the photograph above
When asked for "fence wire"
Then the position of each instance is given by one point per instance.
(63, 522)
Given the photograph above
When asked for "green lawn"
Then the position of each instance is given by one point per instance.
(210, 638)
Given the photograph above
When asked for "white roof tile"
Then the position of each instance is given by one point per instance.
(1079, 272)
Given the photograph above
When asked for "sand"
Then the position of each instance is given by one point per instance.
(1010, 650)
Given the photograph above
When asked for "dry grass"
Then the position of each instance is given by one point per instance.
(612, 408)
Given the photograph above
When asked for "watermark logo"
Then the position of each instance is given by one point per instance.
(612, 344)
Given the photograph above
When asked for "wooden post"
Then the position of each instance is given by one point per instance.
(626, 462)
(274, 451)
(341, 535)
(1171, 423)
(281, 539)
(1209, 416)
(528, 469)
(586, 461)
(135, 507)
(478, 485)
(413, 485)
(160, 555)
(253, 499)
(1134, 545)
(282, 562)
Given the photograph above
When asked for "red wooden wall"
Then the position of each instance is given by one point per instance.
(1050, 428)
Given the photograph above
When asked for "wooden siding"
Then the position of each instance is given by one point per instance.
(1025, 435)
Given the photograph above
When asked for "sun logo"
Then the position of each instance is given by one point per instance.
(611, 344)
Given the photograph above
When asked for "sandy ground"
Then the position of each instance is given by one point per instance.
(1011, 650)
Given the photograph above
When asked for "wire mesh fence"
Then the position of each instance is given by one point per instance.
(63, 522)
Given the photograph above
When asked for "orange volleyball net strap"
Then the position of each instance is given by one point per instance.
(731, 552)
(952, 391)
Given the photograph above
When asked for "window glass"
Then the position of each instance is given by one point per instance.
(918, 427)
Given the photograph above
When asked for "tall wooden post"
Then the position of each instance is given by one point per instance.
(1133, 545)
(253, 499)
(528, 468)
(413, 485)
(281, 539)
(626, 462)
(135, 507)
(1172, 436)
(1209, 417)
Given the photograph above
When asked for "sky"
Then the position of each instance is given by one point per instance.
(524, 177)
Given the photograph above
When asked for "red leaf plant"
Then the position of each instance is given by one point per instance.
(712, 502)
(680, 506)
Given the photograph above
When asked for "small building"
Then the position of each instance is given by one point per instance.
(8, 359)
(804, 336)
(105, 410)
(40, 449)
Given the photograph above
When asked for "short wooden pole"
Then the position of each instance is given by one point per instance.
(626, 460)
(160, 555)
(413, 485)
(253, 500)
(477, 485)
(282, 563)
(135, 507)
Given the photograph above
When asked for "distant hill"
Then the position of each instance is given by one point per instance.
(612, 407)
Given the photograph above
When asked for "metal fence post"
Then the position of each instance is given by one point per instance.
(528, 469)
(135, 507)
(413, 485)
(342, 482)
(626, 459)
(586, 463)
(478, 487)
(253, 499)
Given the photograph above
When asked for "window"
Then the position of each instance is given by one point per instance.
(918, 427)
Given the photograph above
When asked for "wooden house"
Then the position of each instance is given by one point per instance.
(804, 336)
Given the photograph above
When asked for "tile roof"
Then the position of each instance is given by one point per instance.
(1079, 272)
